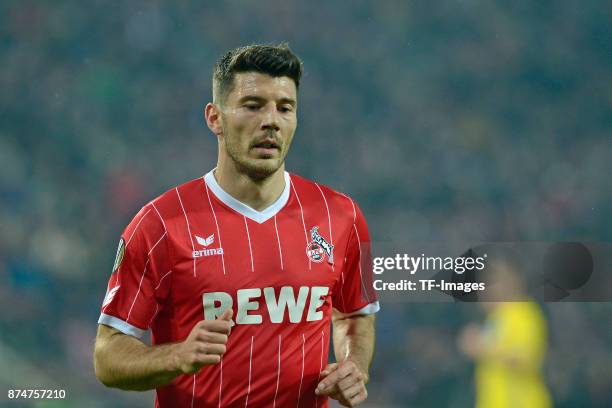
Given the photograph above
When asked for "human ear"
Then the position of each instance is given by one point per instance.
(212, 114)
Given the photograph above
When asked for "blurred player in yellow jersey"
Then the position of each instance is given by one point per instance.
(509, 348)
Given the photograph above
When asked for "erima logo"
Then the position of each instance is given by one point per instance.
(206, 242)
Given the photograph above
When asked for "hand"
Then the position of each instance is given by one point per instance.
(470, 340)
(205, 345)
(344, 382)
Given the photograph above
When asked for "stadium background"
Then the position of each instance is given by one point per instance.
(447, 120)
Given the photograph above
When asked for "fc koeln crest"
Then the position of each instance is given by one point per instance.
(318, 248)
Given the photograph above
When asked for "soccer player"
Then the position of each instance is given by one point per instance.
(239, 273)
(509, 348)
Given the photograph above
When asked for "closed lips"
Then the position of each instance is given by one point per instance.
(267, 144)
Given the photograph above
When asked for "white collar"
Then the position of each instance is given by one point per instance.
(240, 207)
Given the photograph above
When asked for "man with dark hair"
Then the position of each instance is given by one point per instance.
(239, 273)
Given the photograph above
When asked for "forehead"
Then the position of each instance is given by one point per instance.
(262, 85)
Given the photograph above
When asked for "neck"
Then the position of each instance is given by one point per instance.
(257, 194)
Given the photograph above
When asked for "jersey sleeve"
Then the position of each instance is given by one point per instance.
(140, 280)
(354, 293)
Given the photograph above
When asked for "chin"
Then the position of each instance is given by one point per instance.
(260, 169)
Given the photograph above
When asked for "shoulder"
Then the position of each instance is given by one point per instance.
(530, 311)
(310, 192)
(521, 313)
(177, 200)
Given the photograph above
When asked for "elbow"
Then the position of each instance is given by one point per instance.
(100, 375)
(100, 368)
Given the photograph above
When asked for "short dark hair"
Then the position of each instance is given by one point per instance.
(274, 60)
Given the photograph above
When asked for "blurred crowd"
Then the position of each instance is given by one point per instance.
(445, 121)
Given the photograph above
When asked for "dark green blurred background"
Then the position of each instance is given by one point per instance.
(447, 120)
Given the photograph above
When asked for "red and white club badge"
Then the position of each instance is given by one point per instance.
(318, 248)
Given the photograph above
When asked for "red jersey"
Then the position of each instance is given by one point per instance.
(195, 251)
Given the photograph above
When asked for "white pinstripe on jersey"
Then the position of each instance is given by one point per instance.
(320, 364)
(126, 244)
(188, 230)
(193, 391)
(154, 314)
(142, 277)
(246, 226)
(297, 196)
(246, 402)
(331, 235)
(365, 292)
(156, 305)
(217, 224)
(353, 204)
(159, 215)
(162, 278)
(278, 372)
(136, 227)
(342, 272)
(302, 377)
(220, 380)
(280, 250)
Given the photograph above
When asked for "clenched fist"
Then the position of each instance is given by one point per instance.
(344, 382)
(205, 345)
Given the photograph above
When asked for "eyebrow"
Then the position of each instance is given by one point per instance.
(245, 98)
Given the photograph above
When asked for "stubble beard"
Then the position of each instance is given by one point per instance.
(255, 169)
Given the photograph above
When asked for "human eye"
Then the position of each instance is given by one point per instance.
(285, 108)
(251, 106)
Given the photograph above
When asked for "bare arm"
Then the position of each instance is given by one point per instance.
(354, 340)
(354, 348)
(473, 343)
(122, 361)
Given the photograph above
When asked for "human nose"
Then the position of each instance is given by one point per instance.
(270, 119)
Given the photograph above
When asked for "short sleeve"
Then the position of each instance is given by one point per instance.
(141, 276)
(354, 293)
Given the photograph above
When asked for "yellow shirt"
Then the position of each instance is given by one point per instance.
(508, 375)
